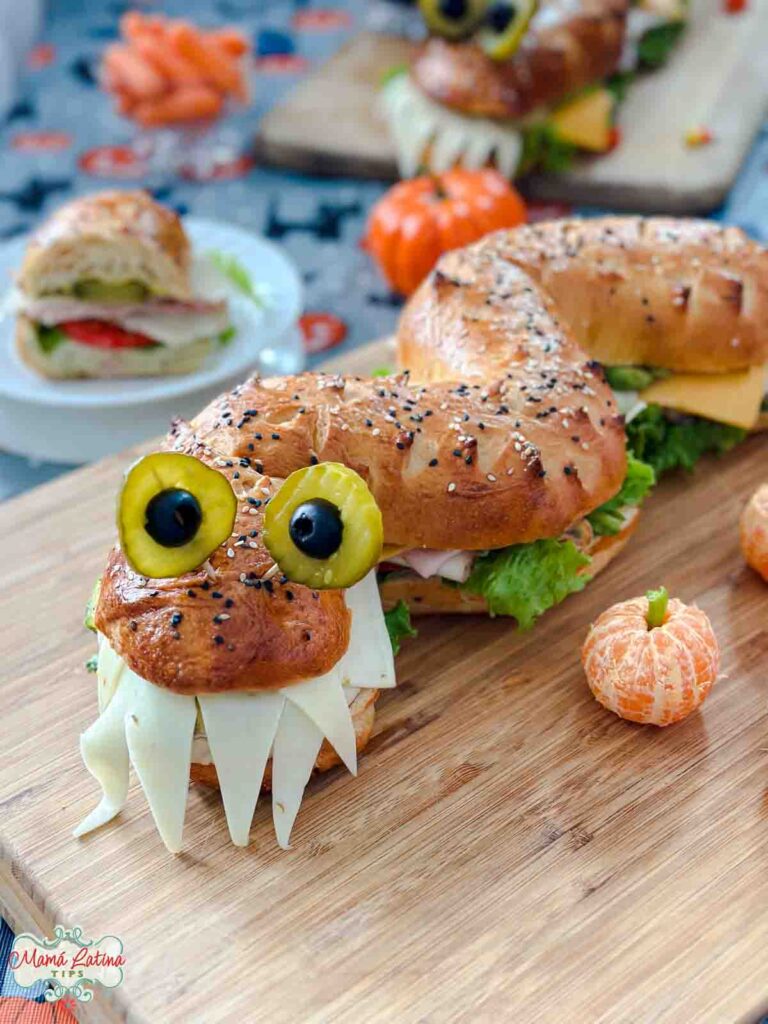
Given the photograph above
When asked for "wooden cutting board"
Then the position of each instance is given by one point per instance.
(717, 77)
(509, 852)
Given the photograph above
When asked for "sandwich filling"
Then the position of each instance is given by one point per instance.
(73, 323)
(524, 580)
(672, 419)
(161, 732)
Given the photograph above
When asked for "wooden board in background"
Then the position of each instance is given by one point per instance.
(509, 852)
(717, 77)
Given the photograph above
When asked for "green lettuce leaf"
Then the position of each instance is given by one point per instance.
(398, 620)
(608, 520)
(634, 378)
(49, 338)
(394, 72)
(544, 151)
(526, 579)
(667, 444)
(620, 83)
(90, 610)
(237, 274)
(657, 43)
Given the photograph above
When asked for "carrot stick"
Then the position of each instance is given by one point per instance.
(217, 68)
(167, 62)
(127, 69)
(188, 103)
(230, 40)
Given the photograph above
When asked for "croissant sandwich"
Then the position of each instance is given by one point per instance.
(520, 84)
(105, 291)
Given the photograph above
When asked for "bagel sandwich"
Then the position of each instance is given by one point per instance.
(520, 84)
(228, 674)
(675, 310)
(242, 639)
(105, 290)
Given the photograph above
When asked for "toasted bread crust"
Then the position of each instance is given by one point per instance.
(570, 44)
(686, 295)
(274, 632)
(113, 236)
(432, 596)
(508, 470)
(363, 710)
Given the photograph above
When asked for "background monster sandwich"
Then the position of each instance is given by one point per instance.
(105, 291)
(521, 84)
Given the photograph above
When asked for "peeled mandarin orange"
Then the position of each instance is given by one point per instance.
(754, 531)
(651, 660)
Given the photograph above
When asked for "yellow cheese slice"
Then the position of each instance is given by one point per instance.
(724, 397)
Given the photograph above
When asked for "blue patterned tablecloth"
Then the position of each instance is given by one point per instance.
(319, 221)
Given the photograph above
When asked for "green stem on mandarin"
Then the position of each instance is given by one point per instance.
(657, 607)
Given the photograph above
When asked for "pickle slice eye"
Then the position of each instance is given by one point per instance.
(323, 527)
(452, 19)
(504, 25)
(173, 512)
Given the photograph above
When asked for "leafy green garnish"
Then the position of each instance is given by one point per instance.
(92, 664)
(237, 274)
(634, 378)
(668, 444)
(398, 620)
(90, 610)
(619, 84)
(544, 151)
(227, 335)
(608, 520)
(394, 72)
(382, 371)
(657, 44)
(49, 338)
(526, 579)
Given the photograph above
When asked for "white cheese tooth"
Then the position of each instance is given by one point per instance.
(240, 728)
(368, 662)
(109, 671)
(477, 152)
(508, 146)
(294, 753)
(324, 702)
(159, 727)
(105, 754)
(447, 148)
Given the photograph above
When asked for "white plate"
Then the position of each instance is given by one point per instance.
(82, 420)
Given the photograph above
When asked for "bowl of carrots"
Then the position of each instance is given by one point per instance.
(169, 73)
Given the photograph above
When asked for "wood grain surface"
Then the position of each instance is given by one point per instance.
(717, 77)
(509, 852)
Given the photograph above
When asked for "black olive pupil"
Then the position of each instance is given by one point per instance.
(173, 517)
(316, 528)
(456, 10)
(499, 16)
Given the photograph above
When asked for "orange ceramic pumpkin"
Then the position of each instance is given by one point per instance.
(651, 660)
(418, 220)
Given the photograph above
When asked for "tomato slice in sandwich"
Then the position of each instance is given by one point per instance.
(101, 334)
